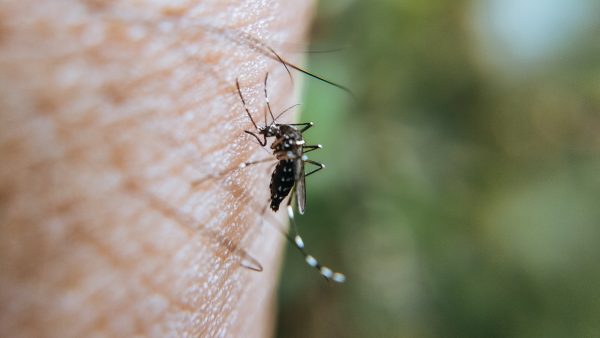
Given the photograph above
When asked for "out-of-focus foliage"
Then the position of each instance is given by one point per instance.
(462, 185)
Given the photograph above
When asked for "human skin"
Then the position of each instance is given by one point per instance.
(109, 111)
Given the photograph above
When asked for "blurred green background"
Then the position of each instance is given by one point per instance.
(461, 189)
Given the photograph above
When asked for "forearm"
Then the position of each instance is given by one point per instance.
(108, 113)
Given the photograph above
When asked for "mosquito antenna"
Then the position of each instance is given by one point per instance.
(237, 84)
(267, 99)
(285, 111)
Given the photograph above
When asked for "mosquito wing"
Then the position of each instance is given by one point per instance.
(300, 186)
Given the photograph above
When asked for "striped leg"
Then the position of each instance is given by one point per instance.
(297, 241)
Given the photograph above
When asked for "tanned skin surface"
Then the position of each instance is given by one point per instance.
(108, 112)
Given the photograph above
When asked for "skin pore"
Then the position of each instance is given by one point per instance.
(108, 112)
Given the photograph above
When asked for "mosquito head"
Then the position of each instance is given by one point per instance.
(269, 130)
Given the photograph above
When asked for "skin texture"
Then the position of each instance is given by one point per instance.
(108, 112)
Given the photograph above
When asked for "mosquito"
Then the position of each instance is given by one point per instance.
(289, 177)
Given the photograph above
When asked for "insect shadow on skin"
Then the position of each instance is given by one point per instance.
(288, 177)
(188, 222)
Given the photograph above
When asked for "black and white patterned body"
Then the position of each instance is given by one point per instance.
(288, 149)
(282, 182)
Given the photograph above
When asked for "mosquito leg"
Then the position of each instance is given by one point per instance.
(319, 165)
(221, 174)
(264, 209)
(307, 125)
(265, 115)
(288, 64)
(245, 259)
(290, 211)
(247, 164)
(237, 84)
(249, 262)
(297, 241)
(262, 143)
(307, 149)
